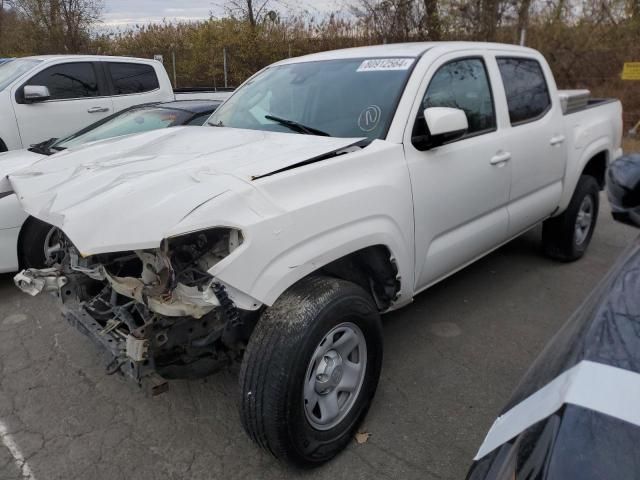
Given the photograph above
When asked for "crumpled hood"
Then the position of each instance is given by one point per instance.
(130, 193)
(13, 161)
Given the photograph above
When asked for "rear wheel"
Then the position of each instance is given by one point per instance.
(311, 370)
(567, 236)
(40, 244)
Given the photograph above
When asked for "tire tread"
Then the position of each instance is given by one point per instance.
(265, 371)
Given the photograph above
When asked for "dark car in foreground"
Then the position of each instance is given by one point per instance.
(576, 413)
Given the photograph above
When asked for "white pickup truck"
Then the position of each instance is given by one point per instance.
(52, 96)
(330, 189)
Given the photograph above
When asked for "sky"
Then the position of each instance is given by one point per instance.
(123, 13)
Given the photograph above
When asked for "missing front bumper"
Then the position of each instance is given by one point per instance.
(124, 353)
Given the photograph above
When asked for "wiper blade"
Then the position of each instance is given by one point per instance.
(43, 148)
(297, 127)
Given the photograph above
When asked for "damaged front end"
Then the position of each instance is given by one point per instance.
(157, 313)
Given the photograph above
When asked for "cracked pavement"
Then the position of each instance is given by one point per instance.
(451, 361)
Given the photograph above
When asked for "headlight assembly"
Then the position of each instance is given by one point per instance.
(196, 252)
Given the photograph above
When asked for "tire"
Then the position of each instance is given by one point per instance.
(33, 236)
(560, 237)
(274, 409)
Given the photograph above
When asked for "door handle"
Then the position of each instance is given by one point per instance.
(557, 140)
(500, 158)
(98, 110)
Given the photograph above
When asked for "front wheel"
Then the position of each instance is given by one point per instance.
(567, 236)
(311, 370)
(40, 244)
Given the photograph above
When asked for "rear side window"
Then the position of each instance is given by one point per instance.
(527, 93)
(69, 80)
(464, 84)
(130, 78)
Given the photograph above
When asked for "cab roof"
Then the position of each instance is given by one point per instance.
(86, 57)
(411, 49)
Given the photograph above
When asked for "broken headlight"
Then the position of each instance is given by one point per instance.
(192, 254)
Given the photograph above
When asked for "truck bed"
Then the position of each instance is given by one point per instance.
(591, 103)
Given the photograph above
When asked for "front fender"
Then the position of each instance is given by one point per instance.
(298, 221)
(265, 283)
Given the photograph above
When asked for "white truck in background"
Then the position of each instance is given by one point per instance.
(52, 96)
(329, 189)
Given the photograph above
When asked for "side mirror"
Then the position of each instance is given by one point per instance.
(443, 125)
(623, 189)
(36, 93)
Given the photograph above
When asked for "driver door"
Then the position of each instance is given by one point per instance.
(461, 188)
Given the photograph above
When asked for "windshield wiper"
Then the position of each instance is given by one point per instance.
(297, 127)
(43, 148)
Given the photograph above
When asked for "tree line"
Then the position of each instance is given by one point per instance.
(586, 42)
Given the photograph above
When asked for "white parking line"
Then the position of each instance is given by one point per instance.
(21, 463)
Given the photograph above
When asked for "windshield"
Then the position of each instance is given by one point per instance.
(131, 121)
(13, 69)
(344, 98)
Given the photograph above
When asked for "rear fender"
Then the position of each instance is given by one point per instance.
(600, 145)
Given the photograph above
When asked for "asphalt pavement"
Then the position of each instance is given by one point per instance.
(451, 361)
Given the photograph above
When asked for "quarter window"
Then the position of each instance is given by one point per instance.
(525, 87)
(464, 84)
(130, 78)
(69, 80)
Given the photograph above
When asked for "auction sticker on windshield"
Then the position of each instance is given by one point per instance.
(381, 64)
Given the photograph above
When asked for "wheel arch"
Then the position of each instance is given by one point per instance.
(376, 251)
(21, 238)
(593, 161)
(596, 167)
(373, 268)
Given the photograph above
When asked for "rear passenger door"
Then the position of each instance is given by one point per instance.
(78, 99)
(133, 84)
(535, 138)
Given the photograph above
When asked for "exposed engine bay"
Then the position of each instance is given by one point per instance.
(158, 313)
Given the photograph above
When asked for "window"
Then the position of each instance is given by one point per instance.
(69, 80)
(13, 69)
(199, 119)
(526, 89)
(464, 84)
(350, 97)
(136, 120)
(133, 78)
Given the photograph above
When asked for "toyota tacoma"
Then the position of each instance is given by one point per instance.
(328, 190)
